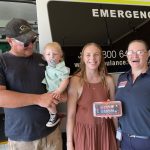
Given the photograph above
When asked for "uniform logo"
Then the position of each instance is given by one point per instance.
(122, 84)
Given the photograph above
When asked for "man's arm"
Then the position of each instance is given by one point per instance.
(12, 99)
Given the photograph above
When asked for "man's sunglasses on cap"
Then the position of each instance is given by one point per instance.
(26, 44)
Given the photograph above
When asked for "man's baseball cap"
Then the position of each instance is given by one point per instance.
(20, 29)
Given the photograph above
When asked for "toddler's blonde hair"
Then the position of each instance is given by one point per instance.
(56, 46)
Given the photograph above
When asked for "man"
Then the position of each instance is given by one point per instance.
(22, 94)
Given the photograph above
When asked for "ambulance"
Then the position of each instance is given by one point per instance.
(74, 23)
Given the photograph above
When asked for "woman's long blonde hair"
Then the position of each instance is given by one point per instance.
(102, 70)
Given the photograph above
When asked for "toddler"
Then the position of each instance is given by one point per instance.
(56, 77)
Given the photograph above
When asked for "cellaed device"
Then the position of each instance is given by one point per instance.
(107, 109)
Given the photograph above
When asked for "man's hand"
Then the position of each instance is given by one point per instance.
(46, 100)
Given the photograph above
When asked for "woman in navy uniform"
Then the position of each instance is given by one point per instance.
(133, 89)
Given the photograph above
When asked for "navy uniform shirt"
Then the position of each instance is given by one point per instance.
(135, 98)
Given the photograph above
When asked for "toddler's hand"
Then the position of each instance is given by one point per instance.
(56, 94)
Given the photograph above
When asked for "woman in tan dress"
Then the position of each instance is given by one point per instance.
(90, 84)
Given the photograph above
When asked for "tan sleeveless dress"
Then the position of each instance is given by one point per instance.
(91, 133)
